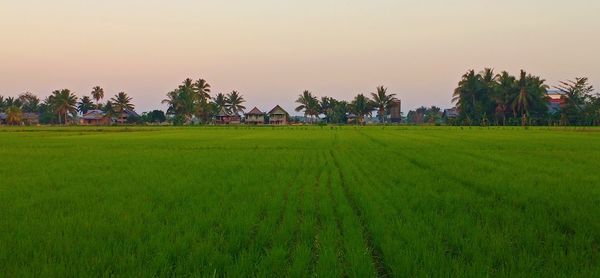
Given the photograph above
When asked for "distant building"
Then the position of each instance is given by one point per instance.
(278, 116)
(225, 117)
(351, 118)
(30, 118)
(451, 113)
(396, 111)
(95, 117)
(555, 101)
(126, 116)
(255, 117)
(26, 119)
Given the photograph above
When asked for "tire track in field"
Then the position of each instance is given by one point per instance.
(314, 258)
(280, 217)
(338, 224)
(375, 251)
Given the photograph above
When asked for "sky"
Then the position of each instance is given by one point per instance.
(272, 50)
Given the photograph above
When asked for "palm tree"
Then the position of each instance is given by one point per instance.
(308, 103)
(383, 102)
(521, 102)
(202, 107)
(467, 94)
(506, 90)
(13, 114)
(171, 100)
(2, 104)
(531, 96)
(182, 101)
(85, 104)
(577, 96)
(361, 106)
(31, 103)
(220, 101)
(121, 103)
(326, 105)
(202, 89)
(97, 94)
(234, 102)
(63, 102)
(110, 110)
(11, 101)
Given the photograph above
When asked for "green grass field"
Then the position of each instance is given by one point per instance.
(300, 201)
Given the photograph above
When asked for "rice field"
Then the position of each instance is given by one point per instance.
(300, 201)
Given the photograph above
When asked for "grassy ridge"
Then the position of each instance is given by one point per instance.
(299, 201)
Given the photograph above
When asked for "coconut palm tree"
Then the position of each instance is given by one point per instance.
(122, 102)
(220, 101)
(182, 101)
(85, 104)
(13, 115)
(506, 90)
(202, 107)
(110, 110)
(63, 102)
(326, 106)
(234, 102)
(308, 103)
(31, 103)
(383, 102)
(171, 101)
(531, 97)
(577, 97)
(467, 94)
(2, 104)
(97, 94)
(521, 102)
(11, 101)
(361, 106)
(202, 89)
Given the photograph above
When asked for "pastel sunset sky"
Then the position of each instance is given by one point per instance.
(271, 50)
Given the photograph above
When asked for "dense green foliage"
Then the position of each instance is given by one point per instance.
(62, 107)
(192, 99)
(338, 112)
(298, 201)
(580, 106)
(487, 98)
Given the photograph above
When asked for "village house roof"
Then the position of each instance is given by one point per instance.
(30, 116)
(451, 113)
(277, 110)
(94, 115)
(130, 113)
(255, 111)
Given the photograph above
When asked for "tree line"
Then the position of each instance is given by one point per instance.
(481, 98)
(62, 105)
(338, 111)
(193, 99)
(487, 98)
